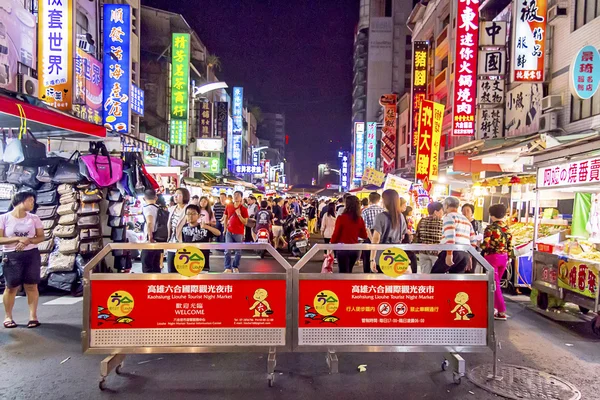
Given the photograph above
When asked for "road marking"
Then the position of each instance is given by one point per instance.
(18, 297)
(64, 301)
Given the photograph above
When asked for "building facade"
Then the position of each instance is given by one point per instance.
(272, 128)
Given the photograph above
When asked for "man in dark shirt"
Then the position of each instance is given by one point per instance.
(219, 211)
(264, 218)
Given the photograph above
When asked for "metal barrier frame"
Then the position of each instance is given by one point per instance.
(117, 354)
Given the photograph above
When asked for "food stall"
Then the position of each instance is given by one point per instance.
(567, 266)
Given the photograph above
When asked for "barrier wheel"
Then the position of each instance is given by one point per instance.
(596, 326)
(457, 378)
(102, 384)
(542, 301)
(118, 369)
(445, 364)
(271, 380)
(584, 310)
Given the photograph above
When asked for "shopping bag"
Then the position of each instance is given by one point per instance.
(327, 264)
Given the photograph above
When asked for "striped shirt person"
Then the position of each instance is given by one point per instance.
(456, 229)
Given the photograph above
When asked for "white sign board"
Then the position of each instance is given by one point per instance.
(490, 91)
(492, 33)
(523, 109)
(211, 145)
(491, 62)
(573, 173)
(490, 123)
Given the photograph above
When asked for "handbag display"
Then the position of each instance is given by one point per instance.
(48, 234)
(68, 246)
(47, 187)
(4, 205)
(34, 152)
(118, 234)
(68, 219)
(102, 168)
(88, 248)
(27, 177)
(90, 220)
(116, 209)
(46, 246)
(65, 189)
(45, 258)
(47, 198)
(45, 172)
(46, 212)
(115, 222)
(91, 195)
(44, 269)
(89, 208)
(3, 172)
(13, 152)
(49, 223)
(114, 195)
(7, 190)
(64, 281)
(65, 209)
(91, 233)
(69, 198)
(65, 231)
(68, 171)
(14, 174)
(61, 262)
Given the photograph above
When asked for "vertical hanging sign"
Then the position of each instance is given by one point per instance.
(180, 85)
(529, 42)
(371, 145)
(55, 62)
(359, 150)
(238, 109)
(205, 128)
(465, 67)
(222, 110)
(389, 131)
(117, 67)
(419, 86)
(431, 117)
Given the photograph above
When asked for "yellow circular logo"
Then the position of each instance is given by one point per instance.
(394, 262)
(120, 303)
(189, 261)
(326, 302)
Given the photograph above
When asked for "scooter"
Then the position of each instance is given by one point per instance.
(263, 236)
(298, 243)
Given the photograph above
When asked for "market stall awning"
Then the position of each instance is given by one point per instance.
(44, 121)
(366, 188)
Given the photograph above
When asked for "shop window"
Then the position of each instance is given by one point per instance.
(444, 63)
(581, 109)
(388, 8)
(586, 11)
(409, 40)
(408, 54)
(403, 134)
(446, 21)
(407, 83)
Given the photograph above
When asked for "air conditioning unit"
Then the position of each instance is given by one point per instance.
(548, 122)
(27, 84)
(550, 102)
(556, 11)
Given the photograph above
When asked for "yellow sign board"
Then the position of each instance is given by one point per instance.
(394, 262)
(189, 261)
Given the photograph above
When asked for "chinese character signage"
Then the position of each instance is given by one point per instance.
(523, 109)
(389, 131)
(578, 277)
(396, 307)
(210, 145)
(584, 76)
(419, 84)
(492, 62)
(573, 173)
(137, 100)
(492, 33)
(359, 150)
(465, 68)
(490, 91)
(248, 169)
(222, 111)
(430, 133)
(400, 185)
(205, 119)
(180, 86)
(206, 164)
(371, 145)
(238, 108)
(117, 67)
(88, 88)
(19, 33)
(373, 177)
(490, 123)
(344, 170)
(55, 64)
(160, 160)
(237, 149)
(529, 40)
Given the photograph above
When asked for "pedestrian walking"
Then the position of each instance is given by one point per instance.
(311, 214)
(328, 224)
(152, 259)
(456, 229)
(278, 221)
(468, 210)
(429, 231)
(349, 227)
(369, 215)
(176, 222)
(236, 216)
(408, 236)
(497, 249)
(390, 225)
(219, 212)
(20, 233)
(197, 230)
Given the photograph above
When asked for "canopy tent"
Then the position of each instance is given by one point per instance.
(366, 189)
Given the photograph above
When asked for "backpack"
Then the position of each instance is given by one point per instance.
(161, 229)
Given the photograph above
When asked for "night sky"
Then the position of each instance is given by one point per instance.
(291, 56)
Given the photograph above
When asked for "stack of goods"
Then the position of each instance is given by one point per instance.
(523, 233)
(90, 233)
(116, 210)
(47, 201)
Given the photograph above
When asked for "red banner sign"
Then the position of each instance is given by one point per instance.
(188, 303)
(465, 68)
(419, 86)
(389, 304)
(389, 131)
(430, 120)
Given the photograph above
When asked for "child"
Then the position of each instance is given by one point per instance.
(195, 231)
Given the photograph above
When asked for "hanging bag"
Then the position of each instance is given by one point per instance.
(13, 153)
(68, 170)
(102, 168)
(34, 152)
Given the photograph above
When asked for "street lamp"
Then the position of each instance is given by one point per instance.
(209, 87)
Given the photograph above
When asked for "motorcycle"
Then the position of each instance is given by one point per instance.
(298, 242)
(263, 236)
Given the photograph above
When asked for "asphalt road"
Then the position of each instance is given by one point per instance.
(48, 362)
